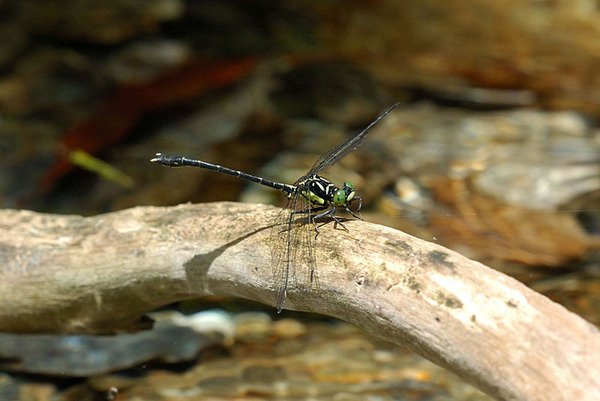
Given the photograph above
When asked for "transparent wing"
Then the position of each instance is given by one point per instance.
(293, 248)
(344, 148)
(293, 253)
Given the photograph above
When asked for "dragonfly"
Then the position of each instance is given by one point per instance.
(313, 197)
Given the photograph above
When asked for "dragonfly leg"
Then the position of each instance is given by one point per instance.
(320, 216)
(337, 221)
(331, 213)
(355, 214)
(328, 212)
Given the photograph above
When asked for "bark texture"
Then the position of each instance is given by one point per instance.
(72, 274)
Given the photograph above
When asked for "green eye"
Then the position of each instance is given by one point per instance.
(339, 198)
(350, 191)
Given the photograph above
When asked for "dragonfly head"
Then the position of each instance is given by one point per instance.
(344, 195)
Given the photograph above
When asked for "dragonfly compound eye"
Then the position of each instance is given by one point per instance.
(349, 191)
(339, 198)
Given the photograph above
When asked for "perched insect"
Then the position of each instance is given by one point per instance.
(311, 195)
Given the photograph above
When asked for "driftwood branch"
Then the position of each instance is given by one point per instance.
(98, 274)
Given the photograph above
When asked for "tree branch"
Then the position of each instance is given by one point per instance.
(98, 274)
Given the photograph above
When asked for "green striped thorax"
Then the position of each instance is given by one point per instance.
(322, 192)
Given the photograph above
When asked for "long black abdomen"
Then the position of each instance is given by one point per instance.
(180, 161)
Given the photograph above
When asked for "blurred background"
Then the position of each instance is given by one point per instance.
(494, 152)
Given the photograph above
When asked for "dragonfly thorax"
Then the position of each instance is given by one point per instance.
(322, 192)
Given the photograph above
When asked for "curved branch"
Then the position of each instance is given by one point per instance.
(99, 274)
